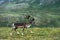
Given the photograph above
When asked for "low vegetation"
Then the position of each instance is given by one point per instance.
(39, 34)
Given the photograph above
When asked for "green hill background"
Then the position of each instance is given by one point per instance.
(46, 13)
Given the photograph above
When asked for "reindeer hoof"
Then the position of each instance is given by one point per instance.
(18, 33)
(11, 34)
(22, 34)
(32, 32)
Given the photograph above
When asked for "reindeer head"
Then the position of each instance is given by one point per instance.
(32, 21)
(28, 16)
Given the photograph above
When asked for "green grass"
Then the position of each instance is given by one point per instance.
(39, 34)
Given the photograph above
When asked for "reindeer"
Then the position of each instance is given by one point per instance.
(22, 25)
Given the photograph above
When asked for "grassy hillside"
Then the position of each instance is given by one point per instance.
(45, 15)
(39, 34)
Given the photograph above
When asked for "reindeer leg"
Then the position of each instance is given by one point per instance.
(16, 31)
(13, 28)
(29, 30)
(23, 31)
(11, 32)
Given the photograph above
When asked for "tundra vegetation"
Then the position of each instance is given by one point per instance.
(45, 12)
